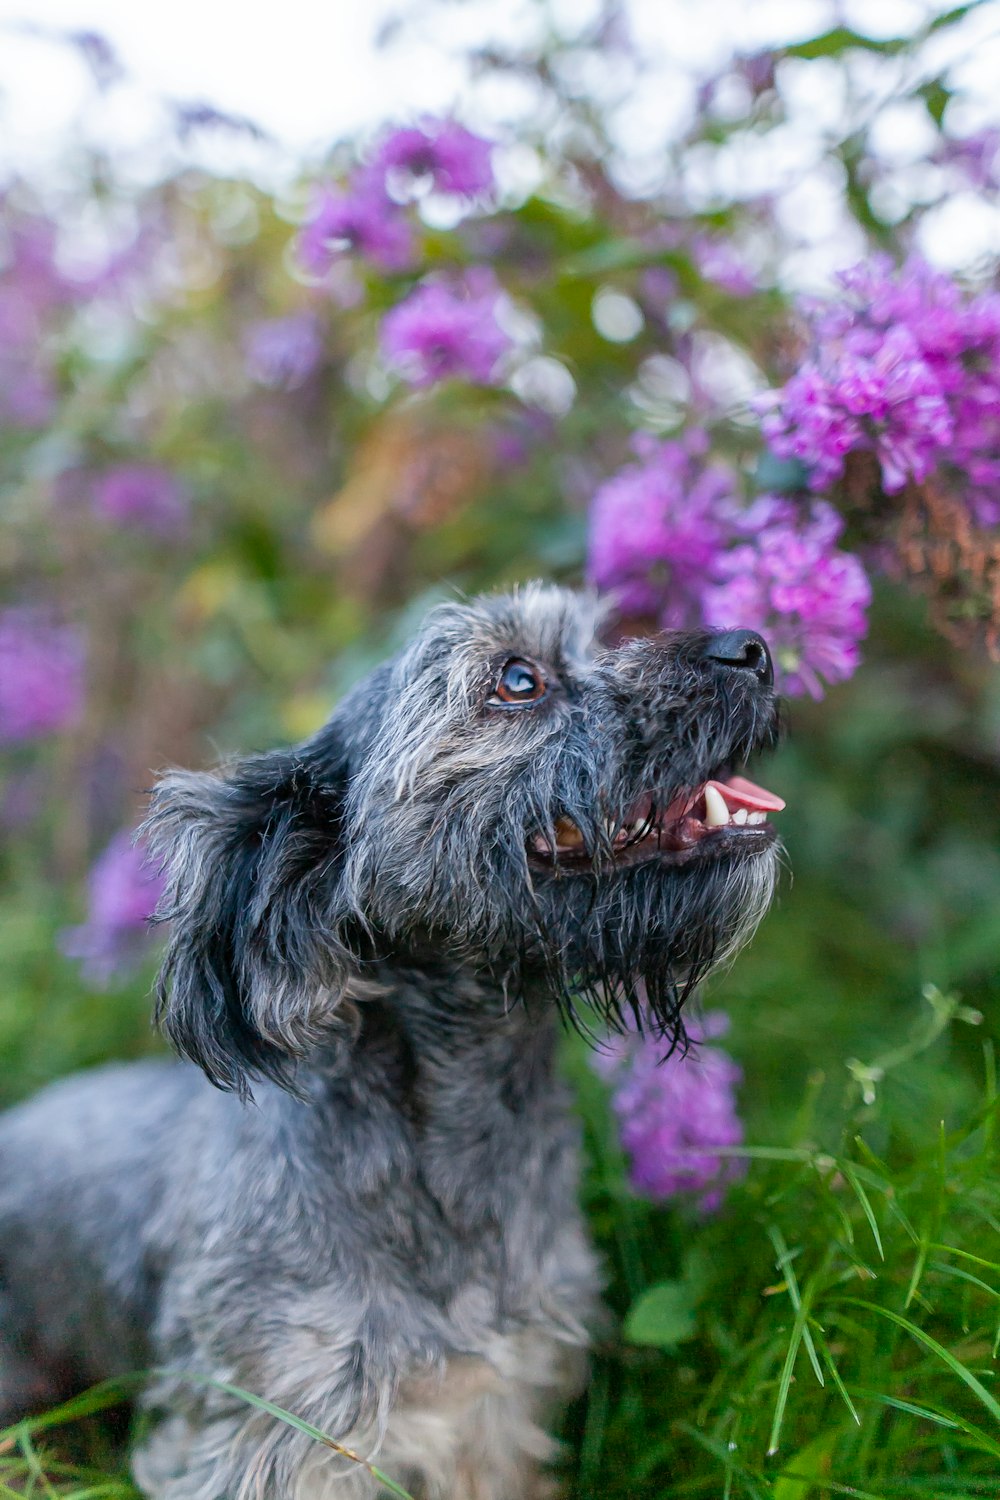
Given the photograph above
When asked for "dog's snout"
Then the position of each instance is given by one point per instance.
(744, 650)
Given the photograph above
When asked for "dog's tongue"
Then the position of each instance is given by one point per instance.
(738, 792)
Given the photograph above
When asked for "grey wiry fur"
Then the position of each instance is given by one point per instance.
(385, 1240)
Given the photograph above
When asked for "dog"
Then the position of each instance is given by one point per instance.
(371, 1219)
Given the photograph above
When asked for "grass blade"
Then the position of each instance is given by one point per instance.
(945, 1355)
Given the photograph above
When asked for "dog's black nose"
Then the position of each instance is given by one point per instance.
(744, 649)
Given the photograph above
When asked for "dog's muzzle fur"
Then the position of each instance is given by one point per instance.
(374, 934)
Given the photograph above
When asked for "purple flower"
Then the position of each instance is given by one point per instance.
(441, 153)
(41, 675)
(448, 331)
(124, 888)
(142, 495)
(906, 365)
(676, 1114)
(790, 581)
(360, 218)
(284, 352)
(657, 526)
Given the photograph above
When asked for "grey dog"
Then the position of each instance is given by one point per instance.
(371, 1221)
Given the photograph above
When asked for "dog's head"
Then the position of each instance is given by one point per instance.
(506, 792)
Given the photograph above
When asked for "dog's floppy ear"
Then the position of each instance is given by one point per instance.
(256, 961)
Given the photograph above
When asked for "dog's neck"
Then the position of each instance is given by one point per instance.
(456, 1083)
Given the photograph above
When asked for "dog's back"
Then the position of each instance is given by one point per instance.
(82, 1168)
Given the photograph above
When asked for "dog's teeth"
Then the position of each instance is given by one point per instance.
(740, 816)
(716, 811)
(757, 817)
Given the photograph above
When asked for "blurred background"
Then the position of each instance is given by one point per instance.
(225, 495)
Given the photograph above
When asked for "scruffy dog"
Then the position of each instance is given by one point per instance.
(377, 931)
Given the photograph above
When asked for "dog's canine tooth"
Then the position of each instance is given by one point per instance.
(716, 811)
(568, 834)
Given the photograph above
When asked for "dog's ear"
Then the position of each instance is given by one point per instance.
(256, 960)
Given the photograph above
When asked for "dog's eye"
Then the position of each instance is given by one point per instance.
(519, 682)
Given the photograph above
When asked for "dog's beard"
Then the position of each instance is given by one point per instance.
(618, 948)
(627, 952)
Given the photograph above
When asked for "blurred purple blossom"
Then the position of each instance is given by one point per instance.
(41, 675)
(99, 55)
(192, 117)
(360, 218)
(448, 330)
(657, 526)
(677, 1115)
(32, 292)
(789, 580)
(284, 352)
(27, 390)
(30, 270)
(904, 364)
(975, 157)
(142, 495)
(441, 153)
(757, 69)
(123, 890)
(721, 263)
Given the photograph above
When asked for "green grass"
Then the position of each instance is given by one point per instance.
(834, 1331)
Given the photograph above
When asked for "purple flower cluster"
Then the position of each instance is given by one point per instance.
(360, 218)
(140, 495)
(669, 537)
(367, 216)
(124, 888)
(440, 154)
(657, 526)
(446, 330)
(677, 1115)
(788, 579)
(41, 675)
(906, 365)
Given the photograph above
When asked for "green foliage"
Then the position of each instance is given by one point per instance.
(834, 1331)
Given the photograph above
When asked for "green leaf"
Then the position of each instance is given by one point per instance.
(936, 97)
(783, 475)
(663, 1316)
(810, 1463)
(840, 39)
(956, 13)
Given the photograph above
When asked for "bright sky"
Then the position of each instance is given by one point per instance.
(307, 69)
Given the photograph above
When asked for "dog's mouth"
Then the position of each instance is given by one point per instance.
(719, 817)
